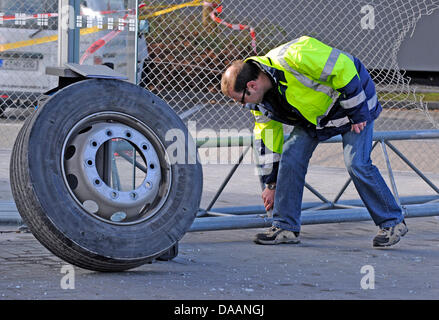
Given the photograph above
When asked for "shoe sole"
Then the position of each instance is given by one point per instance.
(379, 245)
(383, 245)
(404, 233)
(274, 242)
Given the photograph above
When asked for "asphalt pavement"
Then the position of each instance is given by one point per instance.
(333, 261)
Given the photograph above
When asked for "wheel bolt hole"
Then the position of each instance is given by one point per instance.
(70, 151)
(109, 133)
(152, 166)
(72, 180)
(94, 144)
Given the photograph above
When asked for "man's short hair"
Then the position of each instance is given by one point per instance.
(240, 73)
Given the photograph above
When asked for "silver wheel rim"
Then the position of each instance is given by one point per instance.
(89, 151)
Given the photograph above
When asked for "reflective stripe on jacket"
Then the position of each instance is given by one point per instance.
(268, 142)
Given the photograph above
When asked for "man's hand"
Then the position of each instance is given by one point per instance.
(358, 127)
(268, 198)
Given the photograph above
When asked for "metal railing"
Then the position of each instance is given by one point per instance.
(325, 211)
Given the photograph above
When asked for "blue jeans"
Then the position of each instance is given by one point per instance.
(371, 187)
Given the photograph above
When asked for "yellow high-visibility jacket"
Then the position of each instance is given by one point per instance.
(326, 88)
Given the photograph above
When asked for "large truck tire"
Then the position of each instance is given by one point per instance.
(61, 186)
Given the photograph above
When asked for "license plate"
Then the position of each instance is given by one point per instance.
(19, 64)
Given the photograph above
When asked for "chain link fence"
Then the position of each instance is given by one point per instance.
(185, 46)
(190, 47)
(28, 44)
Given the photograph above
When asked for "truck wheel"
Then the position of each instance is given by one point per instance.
(67, 188)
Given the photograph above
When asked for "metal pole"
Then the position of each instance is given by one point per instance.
(412, 166)
(132, 39)
(68, 34)
(316, 193)
(63, 32)
(73, 32)
(351, 204)
(226, 181)
(308, 217)
(121, 153)
(377, 136)
(115, 179)
(389, 170)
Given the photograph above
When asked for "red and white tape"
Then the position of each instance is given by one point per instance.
(240, 27)
(23, 16)
(102, 41)
(99, 44)
(217, 9)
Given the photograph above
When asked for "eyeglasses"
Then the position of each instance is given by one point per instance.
(243, 96)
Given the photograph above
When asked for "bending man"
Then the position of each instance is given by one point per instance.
(322, 92)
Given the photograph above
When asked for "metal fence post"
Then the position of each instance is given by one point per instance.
(68, 34)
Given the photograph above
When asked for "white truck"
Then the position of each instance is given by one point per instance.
(28, 44)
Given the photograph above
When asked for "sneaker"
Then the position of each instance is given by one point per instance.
(389, 236)
(276, 235)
